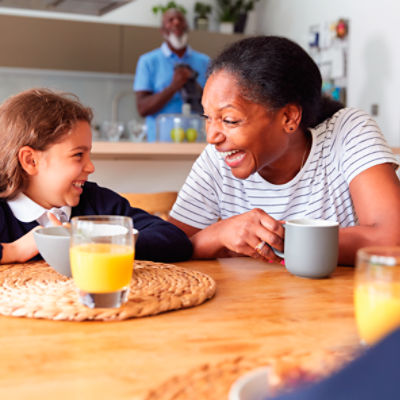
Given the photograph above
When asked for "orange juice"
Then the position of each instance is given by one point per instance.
(377, 308)
(101, 267)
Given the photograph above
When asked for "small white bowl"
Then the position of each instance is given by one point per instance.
(53, 245)
(251, 386)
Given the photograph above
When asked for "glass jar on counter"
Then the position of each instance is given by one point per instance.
(180, 128)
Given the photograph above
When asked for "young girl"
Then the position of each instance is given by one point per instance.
(45, 143)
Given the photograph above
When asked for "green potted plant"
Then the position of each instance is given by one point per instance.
(201, 11)
(171, 4)
(234, 12)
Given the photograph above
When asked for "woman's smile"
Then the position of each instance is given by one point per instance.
(233, 158)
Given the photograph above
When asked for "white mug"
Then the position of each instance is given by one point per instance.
(311, 247)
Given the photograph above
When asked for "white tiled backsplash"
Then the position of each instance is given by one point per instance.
(96, 90)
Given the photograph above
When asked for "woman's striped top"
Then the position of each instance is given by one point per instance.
(343, 146)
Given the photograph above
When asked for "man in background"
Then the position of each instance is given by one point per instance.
(166, 74)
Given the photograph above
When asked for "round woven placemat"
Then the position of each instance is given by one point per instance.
(213, 381)
(35, 290)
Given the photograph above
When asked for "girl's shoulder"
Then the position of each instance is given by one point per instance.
(96, 199)
(4, 209)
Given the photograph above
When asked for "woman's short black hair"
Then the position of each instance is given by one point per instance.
(275, 71)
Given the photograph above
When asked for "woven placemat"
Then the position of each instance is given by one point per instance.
(213, 381)
(35, 290)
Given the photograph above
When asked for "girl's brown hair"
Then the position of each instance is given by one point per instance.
(37, 118)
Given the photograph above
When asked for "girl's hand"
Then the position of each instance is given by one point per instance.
(56, 222)
(21, 250)
(53, 219)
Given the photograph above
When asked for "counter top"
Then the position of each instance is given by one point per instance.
(144, 150)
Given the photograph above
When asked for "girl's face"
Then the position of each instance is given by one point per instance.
(62, 169)
(247, 135)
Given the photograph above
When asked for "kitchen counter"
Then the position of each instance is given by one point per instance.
(147, 151)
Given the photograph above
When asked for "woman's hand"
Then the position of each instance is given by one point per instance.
(240, 235)
(245, 234)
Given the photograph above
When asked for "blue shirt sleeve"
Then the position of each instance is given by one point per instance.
(201, 68)
(143, 76)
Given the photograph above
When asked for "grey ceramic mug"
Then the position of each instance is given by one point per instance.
(311, 247)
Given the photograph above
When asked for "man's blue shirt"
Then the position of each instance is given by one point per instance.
(154, 72)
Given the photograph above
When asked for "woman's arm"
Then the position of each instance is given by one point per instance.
(376, 197)
(237, 235)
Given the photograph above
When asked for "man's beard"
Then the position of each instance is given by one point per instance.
(177, 42)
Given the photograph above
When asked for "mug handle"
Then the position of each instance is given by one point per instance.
(280, 254)
(277, 252)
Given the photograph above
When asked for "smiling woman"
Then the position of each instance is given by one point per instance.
(279, 150)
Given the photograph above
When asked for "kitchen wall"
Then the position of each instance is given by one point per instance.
(374, 61)
(138, 12)
(373, 73)
(96, 90)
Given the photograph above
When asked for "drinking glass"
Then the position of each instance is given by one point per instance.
(137, 130)
(377, 292)
(113, 130)
(102, 256)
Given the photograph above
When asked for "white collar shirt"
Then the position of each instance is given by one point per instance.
(26, 210)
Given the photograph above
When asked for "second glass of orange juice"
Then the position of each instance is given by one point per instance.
(377, 292)
(102, 256)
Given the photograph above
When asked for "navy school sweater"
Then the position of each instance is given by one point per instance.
(158, 240)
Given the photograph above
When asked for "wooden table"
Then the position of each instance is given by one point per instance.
(259, 308)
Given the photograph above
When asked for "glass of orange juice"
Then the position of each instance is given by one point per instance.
(377, 292)
(102, 256)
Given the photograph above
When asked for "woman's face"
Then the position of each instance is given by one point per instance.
(247, 135)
